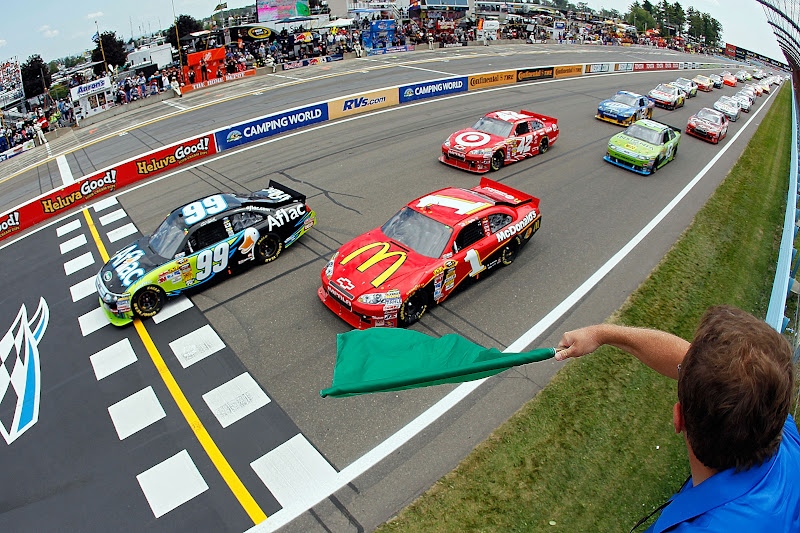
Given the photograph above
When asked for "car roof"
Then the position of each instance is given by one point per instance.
(629, 93)
(435, 205)
(509, 116)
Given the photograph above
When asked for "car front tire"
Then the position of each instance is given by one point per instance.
(498, 159)
(414, 307)
(148, 301)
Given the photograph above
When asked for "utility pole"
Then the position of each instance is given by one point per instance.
(100, 39)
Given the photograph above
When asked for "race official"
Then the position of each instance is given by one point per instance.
(735, 385)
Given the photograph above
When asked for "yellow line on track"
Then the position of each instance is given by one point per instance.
(241, 493)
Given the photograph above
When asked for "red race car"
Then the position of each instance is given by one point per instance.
(728, 79)
(499, 138)
(708, 124)
(392, 274)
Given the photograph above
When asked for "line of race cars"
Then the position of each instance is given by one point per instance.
(646, 145)
(392, 274)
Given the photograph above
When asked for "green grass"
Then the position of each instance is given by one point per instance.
(595, 450)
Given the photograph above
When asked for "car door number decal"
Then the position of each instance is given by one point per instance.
(523, 145)
(474, 260)
(669, 150)
(212, 261)
(197, 211)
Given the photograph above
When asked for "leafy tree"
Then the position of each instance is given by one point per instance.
(34, 70)
(647, 6)
(641, 18)
(186, 25)
(114, 50)
(678, 17)
(703, 26)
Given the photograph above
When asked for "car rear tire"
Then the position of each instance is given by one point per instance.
(414, 307)
(510, 250)
(268, 248)
(148, 301)
(498, 159)
(544, 145)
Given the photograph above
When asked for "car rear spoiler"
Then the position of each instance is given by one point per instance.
(503, 194)
(273, 185)
(540, 117)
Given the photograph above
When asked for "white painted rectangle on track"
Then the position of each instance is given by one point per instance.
(176, 105)
(92, 321)
(196, 346)
(120, 233)
(81, 290)
(66, 228)
(79, 263)
(113, 359)
(112, 217)
(136, 412)
(173, 307)
(234, 400)
(171, 483)
(63, 168)
(105, 204)
(75, 242)
(295, 472)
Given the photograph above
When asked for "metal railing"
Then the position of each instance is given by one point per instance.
(784, 275)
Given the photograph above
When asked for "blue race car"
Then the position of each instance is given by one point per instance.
(625, 108)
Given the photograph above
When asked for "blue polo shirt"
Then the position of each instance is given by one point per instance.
(765, 498)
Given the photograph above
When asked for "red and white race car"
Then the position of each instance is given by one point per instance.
(499, 138)
(391, 275)
(708, 124)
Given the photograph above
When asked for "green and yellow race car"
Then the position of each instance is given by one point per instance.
(644, 146)
(195, 243)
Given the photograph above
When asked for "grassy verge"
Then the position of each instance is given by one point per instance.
(595, 450)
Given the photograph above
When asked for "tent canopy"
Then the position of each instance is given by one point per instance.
(339, 23)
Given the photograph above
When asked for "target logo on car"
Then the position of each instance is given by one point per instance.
(472, 138)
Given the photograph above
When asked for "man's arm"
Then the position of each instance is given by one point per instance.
(659, 350)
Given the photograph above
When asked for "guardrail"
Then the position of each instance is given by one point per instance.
(110, 179)
(784, 274)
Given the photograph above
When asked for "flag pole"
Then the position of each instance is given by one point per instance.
(100, 38)
(177, 39)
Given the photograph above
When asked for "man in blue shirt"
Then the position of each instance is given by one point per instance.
(735, 385)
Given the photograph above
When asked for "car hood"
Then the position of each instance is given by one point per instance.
(388, 266)
(616, 107)
(725, 107)
(662, 95)
(635, 145)
(707, 124)
(128, 265)
(471, 139)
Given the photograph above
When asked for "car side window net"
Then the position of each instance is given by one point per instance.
(498, 221)
(469, 235)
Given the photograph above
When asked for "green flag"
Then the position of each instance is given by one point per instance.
(388, 359)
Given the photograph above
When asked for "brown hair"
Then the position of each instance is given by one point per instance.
(735, 388)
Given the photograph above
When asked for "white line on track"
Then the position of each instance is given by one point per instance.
(63, 168)
(433, 413)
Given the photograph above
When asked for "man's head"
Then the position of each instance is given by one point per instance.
(735, 387)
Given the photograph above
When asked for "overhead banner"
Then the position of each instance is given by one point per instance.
(270, 10)
(430, 89)
(270, 125)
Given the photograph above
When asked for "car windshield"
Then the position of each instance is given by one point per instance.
(493, 126)
(710, 116)
(683, 81)
(647, 135)
(626, 99)
(418, 232)
(166, 240)
(666, 89)
(727, 100)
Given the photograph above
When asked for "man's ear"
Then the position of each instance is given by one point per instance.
(677, 417)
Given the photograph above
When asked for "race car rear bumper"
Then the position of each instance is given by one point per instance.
(472, 165)
(622, 122)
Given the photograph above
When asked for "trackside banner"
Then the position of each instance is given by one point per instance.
(430, 89)
(270, 125)
(100, 183)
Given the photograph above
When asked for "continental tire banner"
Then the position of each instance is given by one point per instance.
(492, 79)
(344, 107)
(101, 183)
(430, 89)
(532, 74)
(270, 125)
(566, 71)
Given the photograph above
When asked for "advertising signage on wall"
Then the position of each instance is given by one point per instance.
(743, 54)
(430, 89)
(270, 125)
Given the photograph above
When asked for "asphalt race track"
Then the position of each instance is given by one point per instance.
(209, 417)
